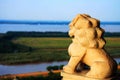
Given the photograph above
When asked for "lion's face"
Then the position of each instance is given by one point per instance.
(78, 23)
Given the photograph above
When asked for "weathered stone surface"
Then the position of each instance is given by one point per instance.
(87, 48)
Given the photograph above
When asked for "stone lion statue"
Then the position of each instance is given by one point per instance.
(87, 48)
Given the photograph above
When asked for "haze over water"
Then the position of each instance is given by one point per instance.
(50, 27)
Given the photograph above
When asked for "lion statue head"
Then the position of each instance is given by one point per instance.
(87, 31)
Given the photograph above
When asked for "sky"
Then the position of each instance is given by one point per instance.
(104, 10)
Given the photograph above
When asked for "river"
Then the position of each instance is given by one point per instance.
(16, 69)
(50, 28)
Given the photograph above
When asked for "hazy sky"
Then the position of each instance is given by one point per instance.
(104, 10)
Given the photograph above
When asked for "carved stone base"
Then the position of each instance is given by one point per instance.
(78, 76)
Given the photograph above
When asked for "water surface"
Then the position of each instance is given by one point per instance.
(43, 28)
(16, 69)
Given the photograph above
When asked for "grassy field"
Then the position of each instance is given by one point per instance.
(44, 42)
(49, 49)
(113, 46)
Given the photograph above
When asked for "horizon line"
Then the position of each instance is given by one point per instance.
(48, 20)
(41, 22)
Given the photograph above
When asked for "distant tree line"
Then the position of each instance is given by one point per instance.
(112, 34)
(14, 34)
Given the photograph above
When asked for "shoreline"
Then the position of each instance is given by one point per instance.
(31, 63)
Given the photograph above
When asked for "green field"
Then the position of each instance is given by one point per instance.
(49, 49)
